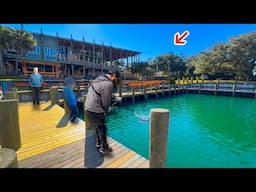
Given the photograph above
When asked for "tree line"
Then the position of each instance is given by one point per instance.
(17, 39)
(233, 60)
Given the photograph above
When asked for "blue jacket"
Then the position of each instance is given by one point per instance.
(69, 96)
(35, 80)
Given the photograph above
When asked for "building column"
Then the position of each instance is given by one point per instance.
(110, 55)
(73, 69)
(83, 55)
(102, 57)
(42, 45)
(131, 61)
(127, 61)
(93, 58)
(71, 55)
(57, 45)
(57, 71)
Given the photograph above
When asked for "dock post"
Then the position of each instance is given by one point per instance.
(163, 91)
(133, 95)
(169, 89)
(234, 88)
(9, 121)
(120, 90)
(8, 158)
(78, 91)
(159, 124)
(54, 95)
(11, 95)
(175, 88)
(145, 93)
(156, 89)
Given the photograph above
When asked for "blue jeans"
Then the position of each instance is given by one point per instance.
(73, 113)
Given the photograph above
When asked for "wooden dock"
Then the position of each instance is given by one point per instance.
(48, 140)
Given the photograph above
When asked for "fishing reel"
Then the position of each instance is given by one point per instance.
(115, 102)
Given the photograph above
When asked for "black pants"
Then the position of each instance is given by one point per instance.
(74, 111)
(98, 120)
(36, 95)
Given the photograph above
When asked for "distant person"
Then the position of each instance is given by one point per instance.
(35, 82)
(98, 102)
(70, 99)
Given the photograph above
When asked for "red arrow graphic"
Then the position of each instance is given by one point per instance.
(180, 39)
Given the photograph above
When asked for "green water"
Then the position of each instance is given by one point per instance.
(205, 131)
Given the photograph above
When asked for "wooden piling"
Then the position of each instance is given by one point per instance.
(234, 88)
(156, 91)
(11, 95)
(133, 95)
(9, 124)
(54, 95)
(159, 124)
(8, 158)
(145, 93)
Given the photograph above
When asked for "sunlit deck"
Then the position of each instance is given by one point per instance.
(50, 141)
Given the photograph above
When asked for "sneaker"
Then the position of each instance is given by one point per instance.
(105, 150)
(75, 121)
(97, 144)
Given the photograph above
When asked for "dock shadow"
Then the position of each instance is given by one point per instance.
(64, 121)
(48, 107)
(93, 158)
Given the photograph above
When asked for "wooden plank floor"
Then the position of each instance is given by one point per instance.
(46, 146)
(38, 129)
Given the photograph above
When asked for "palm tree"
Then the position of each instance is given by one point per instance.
(22, 42)
(5, 38)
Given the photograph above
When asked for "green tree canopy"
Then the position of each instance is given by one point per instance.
(171, 63)
(235, 58)
(18, 39)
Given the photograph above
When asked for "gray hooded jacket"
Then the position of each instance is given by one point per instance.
(99, 95)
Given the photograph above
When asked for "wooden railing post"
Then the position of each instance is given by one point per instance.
(13, 89)
(133, 95)
(78, 91)
(120, 88)
(11, 95)
(159, 124)
(169, 89)
(145, 92)
(163, 91)
(234, 88)
(54, 95)
(156, 90)
(9, 124)
(8, 158)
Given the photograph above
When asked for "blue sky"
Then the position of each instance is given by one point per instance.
(150, 39)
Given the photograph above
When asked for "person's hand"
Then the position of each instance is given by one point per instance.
(109, 109)
(118, 99)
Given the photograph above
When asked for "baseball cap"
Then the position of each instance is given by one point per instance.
(117, 73)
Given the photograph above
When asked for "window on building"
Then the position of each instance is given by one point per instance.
(50, 52)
